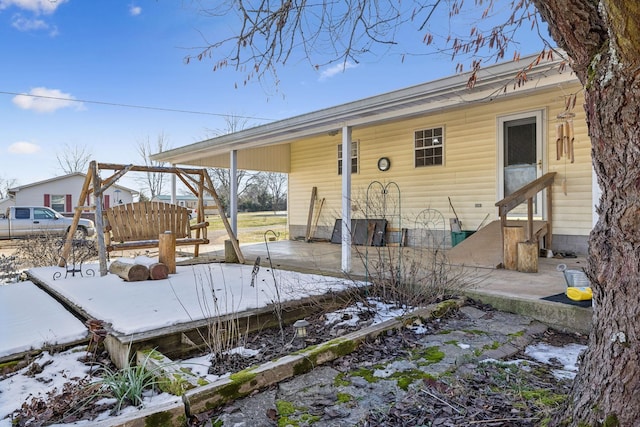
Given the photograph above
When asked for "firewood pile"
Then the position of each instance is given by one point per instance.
(135, 272)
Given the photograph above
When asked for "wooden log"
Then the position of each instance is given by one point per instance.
(158, 271)
(167, 250)
(528, 253)
(512, 236)
(129, 272)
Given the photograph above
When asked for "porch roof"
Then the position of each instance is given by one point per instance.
(494, 81)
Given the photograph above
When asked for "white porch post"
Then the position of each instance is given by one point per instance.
(346, 198)
(233, 190)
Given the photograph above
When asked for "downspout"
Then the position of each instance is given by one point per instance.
(346, 199)
(233, 190)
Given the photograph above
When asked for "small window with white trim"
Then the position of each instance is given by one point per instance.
(58, 202)
(429, 147)
(354, 157)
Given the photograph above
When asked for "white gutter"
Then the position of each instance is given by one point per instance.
(444, 93)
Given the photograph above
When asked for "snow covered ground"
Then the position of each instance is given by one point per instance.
(58, 369)
(20, 386)
(29, 318)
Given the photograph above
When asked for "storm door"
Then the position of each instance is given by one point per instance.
(520, 142)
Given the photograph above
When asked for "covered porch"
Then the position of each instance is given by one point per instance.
(308, 148)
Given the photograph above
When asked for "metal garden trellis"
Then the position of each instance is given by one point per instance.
(390, 213)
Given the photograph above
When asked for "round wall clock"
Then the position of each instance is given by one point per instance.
(384, 163)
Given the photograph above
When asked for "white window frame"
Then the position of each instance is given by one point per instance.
(441, 145)
(355, 157)
(53, 203)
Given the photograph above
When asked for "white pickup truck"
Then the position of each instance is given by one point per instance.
(21, 221)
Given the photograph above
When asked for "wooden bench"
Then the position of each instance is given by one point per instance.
(138, 225)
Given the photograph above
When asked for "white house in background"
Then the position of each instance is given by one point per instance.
(5, 203)
(190, 201)
(62, 194)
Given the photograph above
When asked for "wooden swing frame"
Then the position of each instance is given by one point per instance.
(196, 180)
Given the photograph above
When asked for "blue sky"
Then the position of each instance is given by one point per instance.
(119, 53)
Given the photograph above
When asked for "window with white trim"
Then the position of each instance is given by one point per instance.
(429, 147)
(58, 202)
(354, 157)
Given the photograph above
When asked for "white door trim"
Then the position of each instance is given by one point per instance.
(541, 128)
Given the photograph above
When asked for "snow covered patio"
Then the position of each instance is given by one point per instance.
(30, 319)
(165, 314)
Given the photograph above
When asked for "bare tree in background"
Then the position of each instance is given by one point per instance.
(74, 158)
(221, 177)
(5, 185)
(152, 182)
(276, 184)
(602, 42)
(233, 123)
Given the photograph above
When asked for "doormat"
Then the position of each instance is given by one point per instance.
(562, 297)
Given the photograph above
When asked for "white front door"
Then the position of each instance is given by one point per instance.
(520, 155)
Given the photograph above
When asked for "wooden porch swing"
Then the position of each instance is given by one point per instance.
(139, 225)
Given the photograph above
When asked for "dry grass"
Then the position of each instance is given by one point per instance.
(253, 225)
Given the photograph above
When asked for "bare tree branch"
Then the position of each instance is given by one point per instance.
(153, 182)
(271, 32)
(74, 158)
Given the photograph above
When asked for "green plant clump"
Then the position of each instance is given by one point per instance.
(128, 384)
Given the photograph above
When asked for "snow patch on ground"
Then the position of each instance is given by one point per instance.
(567, 356)
(193, 293)
(350, 316)
(31, 319)
(58, 369)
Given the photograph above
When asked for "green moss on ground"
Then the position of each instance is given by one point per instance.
(162, 419)
(427, 355)
(344, 397)
(405, 378)
(290, 415)
(285, 408)
(443, 308)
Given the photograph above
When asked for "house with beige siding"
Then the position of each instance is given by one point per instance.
(439, 145)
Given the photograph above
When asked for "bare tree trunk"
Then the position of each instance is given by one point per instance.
(602, 40)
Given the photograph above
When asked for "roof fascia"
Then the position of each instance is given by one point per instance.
(436, 95)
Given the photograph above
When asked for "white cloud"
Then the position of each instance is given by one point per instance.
(335, 69)
(35, 6)
(23, 147)
(43, 100)
(21, 23)
(135, 10)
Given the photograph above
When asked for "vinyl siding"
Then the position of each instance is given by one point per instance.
(33, 195)
(469, 175)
